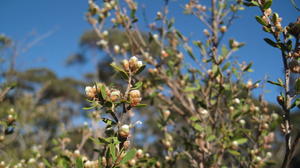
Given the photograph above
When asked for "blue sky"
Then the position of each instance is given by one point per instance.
(65, 18)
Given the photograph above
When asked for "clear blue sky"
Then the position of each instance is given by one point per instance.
(66, 18)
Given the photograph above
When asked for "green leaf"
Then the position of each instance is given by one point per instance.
(241, 140)
(128, 156)
(224, 50)
(198, 43)
(261, 21)
(190, 89)
(253, 3)
(120, 70)
(198, 127)
(99, 161)
(170, 24)
(88, 108)
(141, 69)
(297, 102)
(108, 121)
(193, 118)
(47, 163)
(211, 138)
(247, 68)
(179, 35)
(275, 83)
(103, 92)
(226, 66)
(267, 4)
(141, 105)
(132, 14)
(271, 43)
(100, 140)
(79, 163)
(190, 52)
(137, 85)
(112, 151)
(233, 152)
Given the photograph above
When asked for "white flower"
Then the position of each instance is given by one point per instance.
(90, 91)
(275, 116)
(258, 158)
(77, 152)
(102, 42)
(235, 143)
(133, 59)
(31, 160)
(155, 36)
(139, 64)
(116, 48)
(237, 101)
(203, 111)
(249, 84)
(242, 122)
(105, 33)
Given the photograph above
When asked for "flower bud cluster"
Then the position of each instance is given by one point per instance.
(102, 12)
(193, 5)
(93, 91)
(135, 97)
(132, 65)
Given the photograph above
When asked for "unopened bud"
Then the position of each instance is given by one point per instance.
(132, 162)
(206, 32)
(236, 101)
(125, 64)
(115, 95)
(242, 122)
(139, 153)
(166, 114)
(280, 100)
(223, 29)
(124, 131)
(116, 49)
(126, 144)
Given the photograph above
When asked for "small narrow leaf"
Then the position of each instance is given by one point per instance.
(267, 4)
(141, 69)
(275, 83)
(226, 66)
(103, 92)
(271, 43)
(79, 163)
(233, 152)
(120, 70)
(241, 141)
(112, 151)
(129, 155)
(138, 85)
(47, 163)
(261, 21)
(141, 105)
